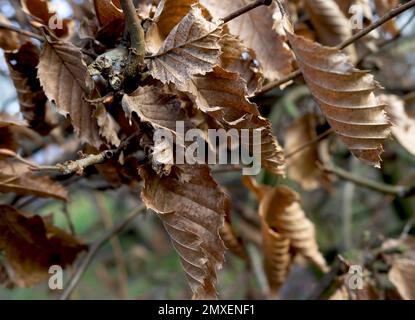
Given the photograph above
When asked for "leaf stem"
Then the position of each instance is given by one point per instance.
(246, 8)
(390, 15)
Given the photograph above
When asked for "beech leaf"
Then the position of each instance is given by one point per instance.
(223, 95)
(28, 184)
(31, 246)
(64, 77)
(191, 206)
(346, 97)
(31, 97)
(255, 29)
(403, 128)
(332, 26)
(191, 48)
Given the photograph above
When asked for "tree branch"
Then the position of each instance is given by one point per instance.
(137, 50)
(309, 143)
(95, 247)
(390, 15)
(245, 9)
(78, 166)
(398, 191)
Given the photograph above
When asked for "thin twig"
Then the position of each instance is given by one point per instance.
(390, 15)
(21, 31)
(95, 247)
(78, 166)
(388, 41)
(309, 143)
(328, 279)
(399, 191)
(245, 9)
(115, 244)
(67, 215)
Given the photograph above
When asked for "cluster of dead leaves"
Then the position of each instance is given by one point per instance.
(389, 273)
(203, 72)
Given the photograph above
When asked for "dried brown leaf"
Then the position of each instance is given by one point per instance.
(232, 241)
(346, 97)
(331, 24)
(239, 59)
(302, 166)
(154, 105)
(108, 11)
(191, 48)
(28, 184)
(255, 29)
(403, 128)
(65, 80)
(9, 127)
(402, 275)
(281, 210)
(223, 95)
(22, 65)
(31, 246)
(9, 40)
(168, 14)
(192, 208)
(108, 127)
(277, 259)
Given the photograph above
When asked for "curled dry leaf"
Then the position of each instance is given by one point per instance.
(285, 228)
(346, 96)
(191, 206)
(223, 95)
(28, 184)
(108, 11)
(402, 275)
(65, 80)
(302, 167)
(22, 65)
(191, 48)
(403, 126)
(331, 24)
(9, 40)
(281, 209)
(232, 241)
(255, 29)
(277, 259)
(31, 246)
